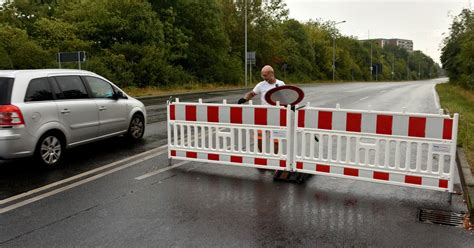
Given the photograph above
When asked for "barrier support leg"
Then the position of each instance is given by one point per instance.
(290, 176)
(169, 161)
(450, 197)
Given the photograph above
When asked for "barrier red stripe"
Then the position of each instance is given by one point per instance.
(353, 123)
(236, 159)
(323, 168)
(283, 163)
(191, 154)
(299, 165)
(236, 115)
(416, 126)
(211, 156)
(448, 129)
(260, 116)
(212, 114)
(173, 153)
(384, 124)
(325, 120)
(443, 183)
(172, 112)
(261, 161)
(351, 172)
(282, 117)
(381, 176)
(301, 118)
(190, 112)
(413, 180)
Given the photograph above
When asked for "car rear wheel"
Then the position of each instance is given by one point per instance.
(136, 128)
(50, 149)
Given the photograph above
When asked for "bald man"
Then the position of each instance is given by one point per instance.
(269, 82)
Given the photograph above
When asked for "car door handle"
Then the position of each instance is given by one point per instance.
(102, 108)
(65, 111)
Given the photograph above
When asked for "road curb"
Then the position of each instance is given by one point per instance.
(467, 182)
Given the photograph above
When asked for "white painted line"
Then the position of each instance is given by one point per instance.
(56, 191)
(383, 91)
(363, 98)
(436, 97)
(161, 170)
(39, 197)
(166, 169)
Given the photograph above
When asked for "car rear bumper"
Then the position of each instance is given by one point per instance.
(15, 143)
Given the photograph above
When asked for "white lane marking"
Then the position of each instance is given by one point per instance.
(56, 191)
(16, 197)
(166, 169)
(436, 97)
(363, 98)
(161, 170)
(383, 91)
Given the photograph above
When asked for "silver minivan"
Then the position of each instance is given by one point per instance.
(43, 112)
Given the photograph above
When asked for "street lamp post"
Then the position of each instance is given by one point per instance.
(408, 67)
(334, 52)
(371, 65)
(246, 58)
(393, 65)
(419, 70)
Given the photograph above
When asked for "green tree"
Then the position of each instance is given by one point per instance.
(18, 51)
(458, 50)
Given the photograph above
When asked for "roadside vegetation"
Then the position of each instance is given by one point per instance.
(456, 99)
(174, 44)
(458, 95)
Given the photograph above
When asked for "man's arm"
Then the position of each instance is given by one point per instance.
(247, 97)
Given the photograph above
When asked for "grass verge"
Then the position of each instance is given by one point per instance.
(456, 99)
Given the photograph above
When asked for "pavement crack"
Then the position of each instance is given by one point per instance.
(47, 225)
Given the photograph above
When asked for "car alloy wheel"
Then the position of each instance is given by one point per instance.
(50, 150)
(137, 127)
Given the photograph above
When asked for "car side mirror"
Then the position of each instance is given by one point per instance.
(118, 95)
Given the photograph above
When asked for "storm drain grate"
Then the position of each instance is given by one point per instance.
(440, 217)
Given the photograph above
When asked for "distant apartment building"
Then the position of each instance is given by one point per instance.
(406, 44)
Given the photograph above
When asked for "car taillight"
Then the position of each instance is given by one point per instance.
(10, 115)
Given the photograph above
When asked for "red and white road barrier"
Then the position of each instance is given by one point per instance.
(407, 149)
(416, 150)
(226, 134)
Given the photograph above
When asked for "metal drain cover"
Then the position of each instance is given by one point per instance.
(441, 217)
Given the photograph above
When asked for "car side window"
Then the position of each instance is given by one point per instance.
(100, 88)
(72, 87)
(39, 90)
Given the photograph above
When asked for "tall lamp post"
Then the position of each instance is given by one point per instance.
(371, 65)
(393, 65)
(334, 52)
(246, 58)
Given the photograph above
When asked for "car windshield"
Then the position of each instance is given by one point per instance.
(5, 90)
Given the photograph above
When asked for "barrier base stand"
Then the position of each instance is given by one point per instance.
(292, 177)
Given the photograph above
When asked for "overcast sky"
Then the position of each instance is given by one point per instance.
(422, 21)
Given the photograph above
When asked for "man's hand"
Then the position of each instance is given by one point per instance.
(242, 101)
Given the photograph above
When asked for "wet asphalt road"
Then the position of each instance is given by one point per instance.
(199, 204)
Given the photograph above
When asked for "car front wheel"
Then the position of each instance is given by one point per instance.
(137, 127)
